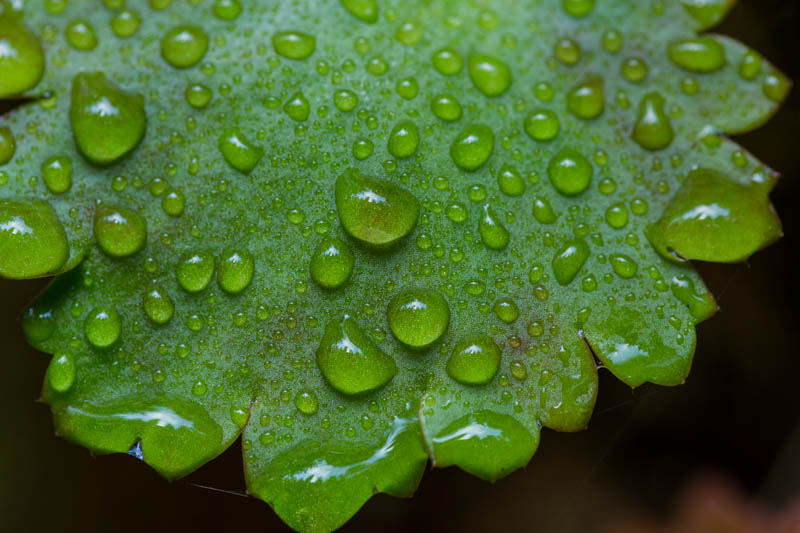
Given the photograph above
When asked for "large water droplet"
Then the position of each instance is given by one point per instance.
(294, 44)
(236, 269)
(586, 100)
(61, 372)
(158, 305)
(350, 361)
(375, 212)
(103, 326)
(331, 263)
(107, 122)
(195, 270)
(570, 172)
(492, 231)
(472, 147)
(653, 129)
(569, 260)
(701, 305)
(120, 231)
(363, 10)
(418, 317)
(701, 54)
(403, 140)
(306, 402)
(184, 46)
(489, 75)
(238, 151)
(474, 361)
(21, 56)
(297, 107)
(32, 240)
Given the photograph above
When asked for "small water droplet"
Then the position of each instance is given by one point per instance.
(80, 35)
(543, 210)
(227, 9)
(197, 95)
(294, 44)
(510, 181)
(506, 310)
(542, 125)
(403, 140)
(331, 263)
(120, 231)
(567, 51)
(103, 326)
(623, 265)
(125, 23)
(184, 46)
(306, 402)
(446, 107)
(363, 10)
(587, 100)
(57, 174)
(447, 61)
(345, 100)
(578, 8)
(297, 107)
(195, 270)
(8, 145)
(22, 58)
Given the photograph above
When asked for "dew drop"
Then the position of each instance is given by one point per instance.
(701, 305)
(569, 260)
(776, 87)
(158, 306)
(542, 125)
(570, 172)
(506, 310)
(617, 216)
(634, 69)
(173, 203)
(235, 272)
(418, 317)
(345, 100)
(306, 402)
(567, 51)
(57, 174)
(294, 44)
(447, 61)
(363, 10)
(701, 54)
(197, 95)
(195, 270)
(407, 88)
(238, 151)
(103, 326)
(227, 9)
(624, 266)
(492, 231)
(297, 107)
(376, 212)
(543, 210)
(8, 145)
(331, 263)
(350, 361)
(21, 56)
(612, 41)
(472, 147)
(489, 75)
(403, 140)
(474, 361)
(80, 35)
(578, 8)
(750, 66)
(61, 372)
(653, 129)
(107, 122)
(120, 231)
(446, 107)
(125, 23)
(510, 181)
(586, 100)
(33, 242)
(184, 46)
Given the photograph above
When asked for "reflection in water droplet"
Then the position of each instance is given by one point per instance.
(158, 306)
(120, 231)
(403, 140)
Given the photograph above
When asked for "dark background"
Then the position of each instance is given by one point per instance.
(737, 417)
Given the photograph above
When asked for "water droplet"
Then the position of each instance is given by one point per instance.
(409, 32)
(569, 260)
(57, 174)
(493, 234)
(543, 210)
(80, 35)
(542, 125)
(506, 310)
(447, 61)
(701, 305)
(125, 23)
(570, 172)
(624, 266)
(375, 212)
(474, 361)
(776, 86)
(362, 149)
(227, 9)
(8, 145)
(418, 317)
(489, 75)
(197, 95)
(120, 231)
(750, 66)
(701, 54)
(586, 100)
(350, 361)
(510, 181)
(21, 56)
(472, 147)
(235, 272)
(61, 372)
(306, 402)
(195, 270)
(238, 151)
(199, 388)
(567, 51)
(107, 122)
(612, 41)
(158, 305)
(617, 216)
(184, 46)
(653, 129)
(345, 100)
(363, 10)
(446, 107)
(294, 44)
(297, 107)
(634, 69)
(407, 88)
(403, 140)
(578, 8)
(331, 263)
(32, 240)
(173, 203)
(103, 326)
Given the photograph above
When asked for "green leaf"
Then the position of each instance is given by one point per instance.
(366, 234)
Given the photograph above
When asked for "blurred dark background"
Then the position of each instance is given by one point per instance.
(736, 420)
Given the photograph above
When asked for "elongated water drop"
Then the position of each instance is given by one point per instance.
(492, 231)
(490, 76)
(21, 56)
(350, 361)
(510, 181)
(331, 263)
(107, 122)
(103, 326)
(472, 147)
(61, 372)
(578, 8)
(623, 265)
(238, 151)
(569, 260)
(376, 212)
(236, 269)
(184, 46)
(543, 211)
(653, 129)
(33, 242)
(418, 317)
(195, 270)
(701, 305)
(403, 140)
(306, 402)
(120, 231)
(587, 100)
(701, 54)
(158, 305)
(294, 44)
(363, 10)
(8, 145)
(57, 174)
(474, 361)
(570, 172)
